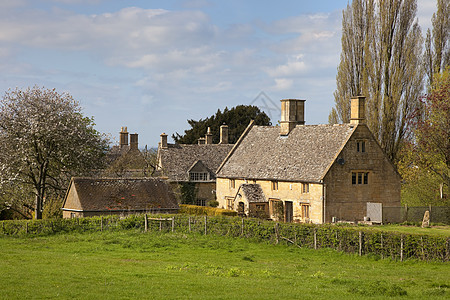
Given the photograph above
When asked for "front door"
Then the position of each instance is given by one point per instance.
(288, 211)
(241, 209)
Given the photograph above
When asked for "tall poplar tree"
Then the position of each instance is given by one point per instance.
(381, 59)
(437, 43)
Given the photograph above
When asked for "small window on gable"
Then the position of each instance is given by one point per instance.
(305, 188)
(360, 178)
(274, 185)
(361, 146)
(232, 183)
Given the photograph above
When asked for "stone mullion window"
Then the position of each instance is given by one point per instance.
(359, 178)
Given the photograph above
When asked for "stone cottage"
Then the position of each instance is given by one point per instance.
(87, 197)
(190, 169)
(309, 173)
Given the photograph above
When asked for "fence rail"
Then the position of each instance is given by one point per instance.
(359, 240)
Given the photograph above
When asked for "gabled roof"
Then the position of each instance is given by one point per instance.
(303, 155)
(99, 194)
(252, 192)
(198, 166)
(177, 159)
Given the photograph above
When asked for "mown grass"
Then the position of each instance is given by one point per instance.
(130, 264)
(441, 230)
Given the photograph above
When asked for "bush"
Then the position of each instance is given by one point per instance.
(205, 211)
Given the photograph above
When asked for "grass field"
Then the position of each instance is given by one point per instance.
(129, 264)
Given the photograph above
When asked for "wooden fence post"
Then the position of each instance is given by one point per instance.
(242, 227)
(315, 239)
(173, 223)
(189, 224)
(145, 223)
(401, 247)
(360, 243)
(160, 225)
(277, 234)
(26, 228)
(381, 244)
(101, 223)
(206, 223)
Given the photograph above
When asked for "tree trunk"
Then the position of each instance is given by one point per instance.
(38, 207)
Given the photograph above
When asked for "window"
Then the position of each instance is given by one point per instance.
(232, 183)
(360, 178)
(201, 202)
(361, 146)
(305, 188)
(229, 202)
(305, 211)
(72, 215)
(195, 176)
(274, 185)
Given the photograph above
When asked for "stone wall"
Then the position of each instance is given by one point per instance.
(348, 201)
(287, 191)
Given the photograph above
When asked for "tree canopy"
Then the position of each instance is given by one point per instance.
(380, 59)
(44, 140)
(237, 119)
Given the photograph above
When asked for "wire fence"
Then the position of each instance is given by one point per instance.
(351, 239)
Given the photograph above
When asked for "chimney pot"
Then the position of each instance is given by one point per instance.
(163, 140)
(134, 141)
(357, 110)
(292, 114)
(123, 137)
(208, 137)
(223, 134)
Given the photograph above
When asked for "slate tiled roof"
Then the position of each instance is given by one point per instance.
(253, 192)
(177, 159)
(123, 193)
(303, 155)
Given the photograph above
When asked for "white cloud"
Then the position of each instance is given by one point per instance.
(283, 84)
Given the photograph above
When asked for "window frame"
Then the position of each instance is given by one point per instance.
(361, 146)
(360, 177)
(198, 176)
(305, 188)
(274, 185)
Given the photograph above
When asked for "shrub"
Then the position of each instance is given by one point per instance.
(205, 211)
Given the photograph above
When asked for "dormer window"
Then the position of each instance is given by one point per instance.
(199, 172)
(198, 176)
(361, 146)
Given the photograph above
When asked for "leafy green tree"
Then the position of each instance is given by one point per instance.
(437, 45)
(432, 132)
(380, 59)
(44, 140)
(237, 119)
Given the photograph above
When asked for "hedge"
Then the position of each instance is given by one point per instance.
(351, 239)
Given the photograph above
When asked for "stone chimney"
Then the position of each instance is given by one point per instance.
(292, 114)
(123, 137)
(223, 134)
(134, 141)
(201, 141)
(163, 142)
(357, 110)
(208, 137)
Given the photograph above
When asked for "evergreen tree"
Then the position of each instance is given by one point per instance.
(237, 119)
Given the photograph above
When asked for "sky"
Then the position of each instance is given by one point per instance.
(152, 65)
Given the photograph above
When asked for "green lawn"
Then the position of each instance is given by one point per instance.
(435, 230)
(129, 264)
